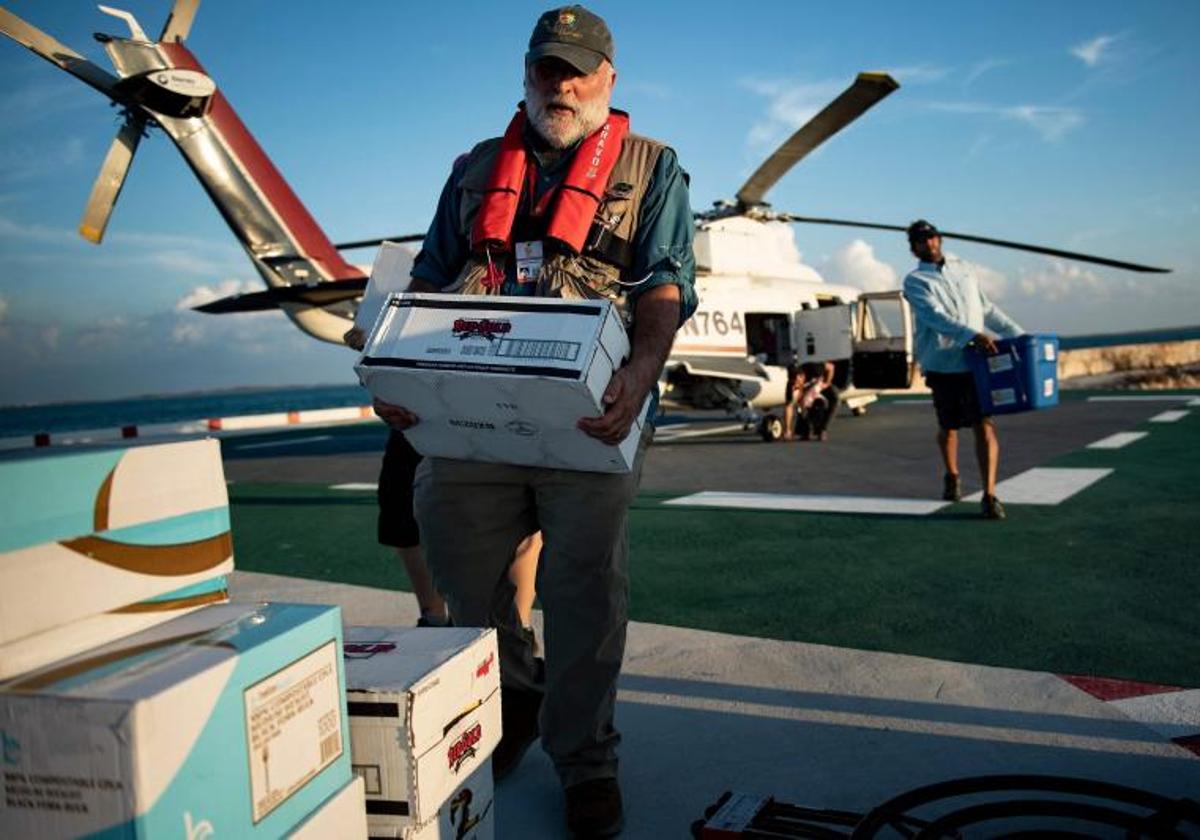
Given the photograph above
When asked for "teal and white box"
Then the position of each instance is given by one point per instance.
(342, 816)
(84, 533)
(227, 722)
(30, 652)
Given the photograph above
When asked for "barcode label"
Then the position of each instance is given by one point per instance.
(524, 348)
(293, 727)
(1004, 396)
(331, 747)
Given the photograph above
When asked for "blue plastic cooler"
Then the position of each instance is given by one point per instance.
(1021, 376)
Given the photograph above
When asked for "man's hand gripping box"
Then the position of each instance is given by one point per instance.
(501, 379)
(424, 715)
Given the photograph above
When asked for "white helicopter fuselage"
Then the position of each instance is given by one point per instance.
(749, 273)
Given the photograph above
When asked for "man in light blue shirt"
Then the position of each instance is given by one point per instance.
(952, 314)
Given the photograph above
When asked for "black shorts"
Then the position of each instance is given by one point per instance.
(955, 400)
(397, 525)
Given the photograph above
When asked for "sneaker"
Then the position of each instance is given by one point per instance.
(518, 729)
(594, 809)
(992, 509)
(951, 488)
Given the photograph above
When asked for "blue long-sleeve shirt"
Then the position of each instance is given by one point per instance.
(662, 243)
(950, 309)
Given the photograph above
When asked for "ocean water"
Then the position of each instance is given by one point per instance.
(141, 411)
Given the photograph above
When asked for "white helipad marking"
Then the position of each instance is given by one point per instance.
(1118, 440)
(1170, 416)
(355, 485)
(689, 430)
(1141, 398)
(825, 504)
(1194, 403)
(288, 442)
(1175, 714)
(1044, 485)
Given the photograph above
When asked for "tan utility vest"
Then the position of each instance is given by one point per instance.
(606, 262)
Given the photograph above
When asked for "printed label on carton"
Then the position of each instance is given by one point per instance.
(293, 725)
(1048, 351)
(1048, 387)
(1000, 363)
(1004, 396)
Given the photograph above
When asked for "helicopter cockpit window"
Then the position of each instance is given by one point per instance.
(768, 337)
(881, 318)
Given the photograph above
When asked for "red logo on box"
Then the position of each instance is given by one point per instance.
(481, 328)
(464, 747)
(485, 666)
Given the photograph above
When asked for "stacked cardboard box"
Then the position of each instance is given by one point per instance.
(424, 710)
(98, 545)
(132, 704)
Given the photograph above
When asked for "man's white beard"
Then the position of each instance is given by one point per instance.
(562, 131)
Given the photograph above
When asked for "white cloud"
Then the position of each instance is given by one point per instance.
(993, 282)
(207, 294)
(918, 74)
(790, 105)
(22, 161)
(187, 333)
(855, 264)
(979, 68)
(50, 336)
(1095, 51)
(1057, 279)
(1049, 121)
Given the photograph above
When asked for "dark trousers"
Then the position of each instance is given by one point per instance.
(817, 419)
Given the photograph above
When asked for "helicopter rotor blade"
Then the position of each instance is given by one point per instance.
(986, 240)
(179, 22)
(57, 53)
(851, 104)
(111, 179)
(370, 243)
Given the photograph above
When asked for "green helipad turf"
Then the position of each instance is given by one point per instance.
(1104, 583)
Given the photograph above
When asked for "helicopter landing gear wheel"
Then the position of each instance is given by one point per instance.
(771, 428)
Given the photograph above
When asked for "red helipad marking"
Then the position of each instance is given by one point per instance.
(1106, 688)
(1189, 742)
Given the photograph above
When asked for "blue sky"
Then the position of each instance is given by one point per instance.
(1067, 124)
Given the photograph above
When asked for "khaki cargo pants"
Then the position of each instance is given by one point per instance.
(472, 516)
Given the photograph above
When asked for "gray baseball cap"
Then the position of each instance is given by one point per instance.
(573, 34)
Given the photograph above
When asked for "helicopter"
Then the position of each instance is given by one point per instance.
(761, 309)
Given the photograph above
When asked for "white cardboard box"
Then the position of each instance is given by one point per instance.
(227, 722)
(84, 533)
(389, 274)
(424, 708)
(30, 652)
(469, 813)
(502, 379)
(342, 816)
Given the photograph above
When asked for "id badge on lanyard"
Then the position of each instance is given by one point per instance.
(529, 261)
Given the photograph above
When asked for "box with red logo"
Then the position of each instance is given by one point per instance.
(468, 814)
(502, 379)
(424, 708)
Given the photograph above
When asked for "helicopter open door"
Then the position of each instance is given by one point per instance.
(875, 334)
(883, 341)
